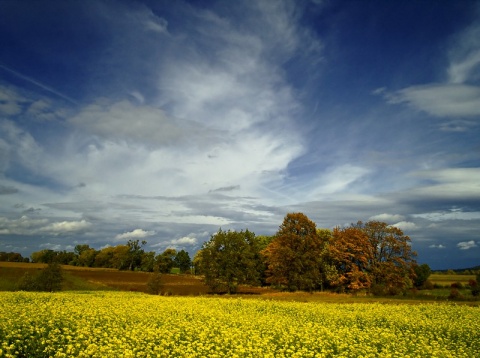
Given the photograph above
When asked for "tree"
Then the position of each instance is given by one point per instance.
(183, 261)
(422, 273)
(44, 256)
(86, 255)
(229, 259)
(104, 258)
(148, 261)
(295, 256)
(347, 250)
(373, 255)
(135, 253)
(165, 261)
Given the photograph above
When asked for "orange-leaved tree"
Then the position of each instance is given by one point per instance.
(295, 255)
(348, 249)
(391, 259)
(372, 255)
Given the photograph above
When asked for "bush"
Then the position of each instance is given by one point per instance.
(457, 285)
(49, 279)
(428, 285)
(455, 294)
(154, 284)
(474, 287)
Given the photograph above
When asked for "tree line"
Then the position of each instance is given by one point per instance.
(371, 256)
(130, 256)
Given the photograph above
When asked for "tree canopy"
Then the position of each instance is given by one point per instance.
(228, 259)
(295, 255)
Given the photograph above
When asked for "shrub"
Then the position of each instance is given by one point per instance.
(154, 284)
(474, 287)
(457, 285)
(428, 285)
(455, 294)
(49, 279)
(28, 283)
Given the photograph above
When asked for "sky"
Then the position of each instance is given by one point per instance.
(164, 121)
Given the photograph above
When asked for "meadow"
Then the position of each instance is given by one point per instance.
(129, 324)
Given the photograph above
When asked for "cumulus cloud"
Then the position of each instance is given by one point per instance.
(186, 241)
(135, 234)
(467, 245)
(437, 246)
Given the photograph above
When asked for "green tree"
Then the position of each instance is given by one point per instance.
(86, 255)
(183, 261)
(148, 261)
(104, 257)
(228, 259)
(135, 253)
(422, 273)
(165, 261)
(44, 256)
(296, 255)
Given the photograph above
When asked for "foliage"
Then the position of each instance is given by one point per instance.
(49, 279)
(183, 261)
(154, 284)
(230, 258)
(122, 324)
(422, 273)
(12, 257)
(135, 252)
(165, 261)
(373, 254)
(296, 255)
(147, 263)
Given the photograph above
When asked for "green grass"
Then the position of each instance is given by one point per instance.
(445, 279)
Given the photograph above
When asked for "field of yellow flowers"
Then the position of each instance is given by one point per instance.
(125, 324)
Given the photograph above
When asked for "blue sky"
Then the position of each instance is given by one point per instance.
(163, 121)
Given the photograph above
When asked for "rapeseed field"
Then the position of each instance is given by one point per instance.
(124, 324)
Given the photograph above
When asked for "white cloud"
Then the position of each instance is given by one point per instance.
(28, 226)
(466, 245)
(449, 215)
(186, 240)
(464, 55)
(437, 246)
(406, 226)
(135, 234)
(452, 183)
(66, 227)
(387, 217)
(442, 100)
(339, 179)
